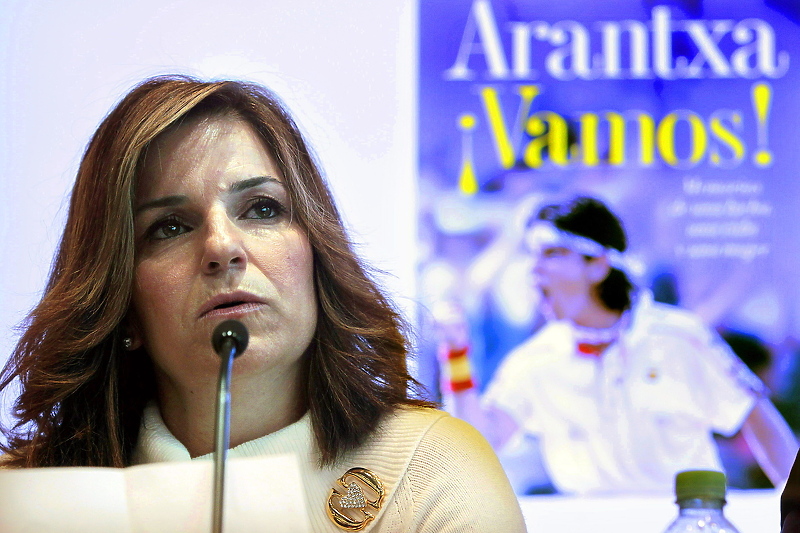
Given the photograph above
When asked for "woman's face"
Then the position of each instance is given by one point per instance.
(565, 279)
(215, 241)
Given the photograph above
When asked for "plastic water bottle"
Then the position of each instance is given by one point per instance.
(700, 497)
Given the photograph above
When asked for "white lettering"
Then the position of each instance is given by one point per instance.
(662, 42)
(611, 56)
(571, 59)
(650, 48)
(767, 62)
(481, 22)
(708, 51)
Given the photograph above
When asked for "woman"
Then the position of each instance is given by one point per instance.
(197, 202)
(620, 392)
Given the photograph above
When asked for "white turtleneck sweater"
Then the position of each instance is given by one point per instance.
(439, 474)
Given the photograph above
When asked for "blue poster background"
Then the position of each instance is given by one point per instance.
(682, 116)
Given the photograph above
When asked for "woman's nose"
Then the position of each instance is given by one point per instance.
(224, 249)
(537, 263)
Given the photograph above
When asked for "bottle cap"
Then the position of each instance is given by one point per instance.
(700, 484)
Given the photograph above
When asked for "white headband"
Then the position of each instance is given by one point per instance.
(545, 234)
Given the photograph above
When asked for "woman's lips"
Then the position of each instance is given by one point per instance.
(233, 311)
(231, 305)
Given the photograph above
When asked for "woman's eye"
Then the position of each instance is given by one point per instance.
(166, 229)
(263, 208)
(554, 252)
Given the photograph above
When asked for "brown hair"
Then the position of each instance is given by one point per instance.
(82, 395)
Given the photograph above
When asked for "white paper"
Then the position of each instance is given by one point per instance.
(261, 493)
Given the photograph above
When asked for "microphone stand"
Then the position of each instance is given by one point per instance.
(222, 429)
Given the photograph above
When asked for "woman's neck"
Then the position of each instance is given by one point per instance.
(596, 315)
(259, 406)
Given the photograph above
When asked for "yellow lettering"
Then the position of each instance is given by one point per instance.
(647, 135)
(500, 133)
(589, 125)
(616, 139)
(727, 138)
(666, 139)
(549, 131)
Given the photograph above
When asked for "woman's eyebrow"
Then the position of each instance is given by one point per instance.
(178, 199)
(249, 183)
(166, 201)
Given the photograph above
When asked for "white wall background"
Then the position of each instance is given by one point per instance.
(347, 69)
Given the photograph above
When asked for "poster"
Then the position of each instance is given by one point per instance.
(681, 116)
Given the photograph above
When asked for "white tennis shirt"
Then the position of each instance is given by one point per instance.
(631, 418)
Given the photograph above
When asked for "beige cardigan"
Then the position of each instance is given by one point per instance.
(439, 474)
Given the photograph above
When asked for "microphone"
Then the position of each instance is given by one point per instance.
(230, 335)
(229, 341)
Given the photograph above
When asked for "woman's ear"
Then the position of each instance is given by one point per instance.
(131, 332)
